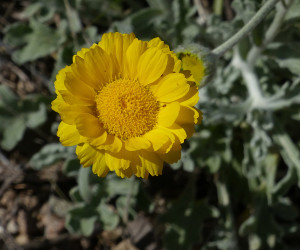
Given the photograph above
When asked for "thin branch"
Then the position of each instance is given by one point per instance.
(271, 32)
(255, 20)
(224, 200)
(247, 69)
(69, 9)
(9, 173)
(128, 200)
(202, 12)
(250, 78)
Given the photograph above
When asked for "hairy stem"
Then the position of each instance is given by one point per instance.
(224, 200)
(128, 200)
(250, 78)
(247, 67)
(271, 32)
(255, 20)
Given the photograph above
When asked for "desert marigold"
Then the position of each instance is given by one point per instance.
(126, 106)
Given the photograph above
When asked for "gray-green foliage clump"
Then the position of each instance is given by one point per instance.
(241, 169)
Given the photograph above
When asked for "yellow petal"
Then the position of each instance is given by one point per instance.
(189, 130)
(191, 98)
(68, 134)
(175, 146)
(158, 43)
(151, 65)
(75, 100)
(170, 66)
(112, 42)
(78, 87)
(182, 131)
(60, 78)
(151, 162)
(99, 167)
(117, 160)
(172, 87)
(88, 125)
(82, 52)
(96, 69)
(160, 138)
(98, 141)
(100, 64)
(188, 115)
(116, 145)
(168, 114)
(179, 131)
(128, 172)
(56, 103)
(124, 163)
(69, 113)
(86, 154)
(137, 143)
(141, 172)
(195, 65)
(177, 66)
(112, 143)
(116, 45)
(133, 54)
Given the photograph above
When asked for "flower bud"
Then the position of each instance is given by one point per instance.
(199, 61)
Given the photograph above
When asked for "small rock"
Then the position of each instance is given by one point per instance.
(22, 239)
(124, 245)
(12, 227)
(22, 222)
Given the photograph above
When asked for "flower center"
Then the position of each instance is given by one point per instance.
(126, 108)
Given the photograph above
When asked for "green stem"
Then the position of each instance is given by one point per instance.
(224, 200)
(218, 6)
(128, 200)
(251, 80)
(255, 20)
(272, 31)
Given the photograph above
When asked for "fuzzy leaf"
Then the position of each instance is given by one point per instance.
(13, 133)
(42, 41)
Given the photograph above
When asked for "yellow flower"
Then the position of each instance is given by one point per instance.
(195, 66)
(126, 106)
(198, 61)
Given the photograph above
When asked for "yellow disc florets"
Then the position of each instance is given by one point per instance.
(126, 108)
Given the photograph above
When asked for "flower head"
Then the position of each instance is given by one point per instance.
(126, 106)
(199, 61)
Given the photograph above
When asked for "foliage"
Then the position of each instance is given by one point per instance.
(16, 115)
(243, 164)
